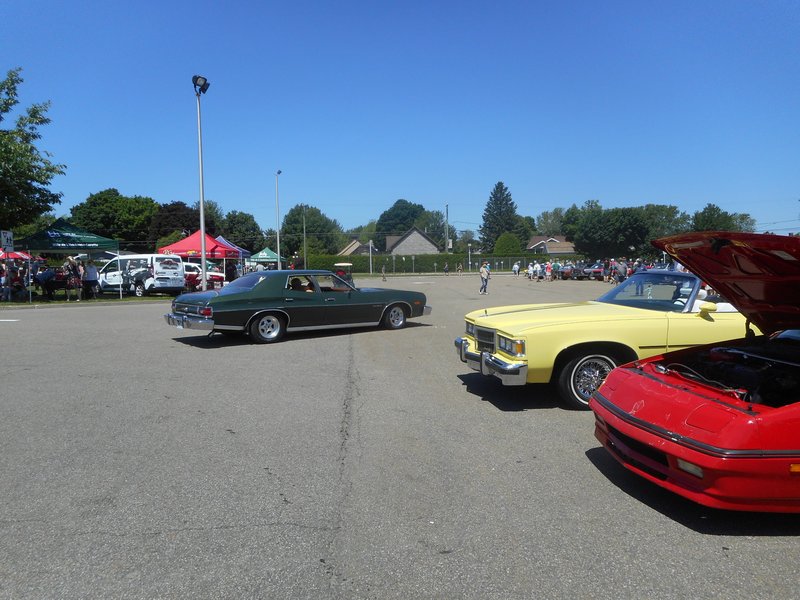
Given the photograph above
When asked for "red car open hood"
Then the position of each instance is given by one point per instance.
(757, 273)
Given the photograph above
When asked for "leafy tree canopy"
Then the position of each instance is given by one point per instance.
(713, 218)
(550, 222)
(322, 235)
(364, 233)
(241, 229)
(110, 214)
(172, 217)
(212, 215)
(507, 245)
(397, 220)
(25, 172)
(499, 216)
(432, 223)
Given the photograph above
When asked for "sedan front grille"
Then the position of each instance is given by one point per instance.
(485, 339)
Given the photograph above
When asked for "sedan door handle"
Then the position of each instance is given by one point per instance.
(330, 299)
(288, 299)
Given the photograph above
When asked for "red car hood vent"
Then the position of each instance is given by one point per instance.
(757, 273)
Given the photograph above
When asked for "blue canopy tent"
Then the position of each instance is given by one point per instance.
(242, 252)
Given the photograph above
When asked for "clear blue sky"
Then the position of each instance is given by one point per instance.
(361, 103)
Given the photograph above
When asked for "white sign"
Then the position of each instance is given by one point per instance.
(7, 241)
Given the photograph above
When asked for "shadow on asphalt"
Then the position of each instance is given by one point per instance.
(511, 398)
(218, 340)
(694, 516)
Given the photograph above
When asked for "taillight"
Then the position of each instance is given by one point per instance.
(206, 311)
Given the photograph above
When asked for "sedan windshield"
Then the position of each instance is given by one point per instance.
(664, 291)
(244, 283)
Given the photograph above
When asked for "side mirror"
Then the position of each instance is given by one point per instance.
(708, 307)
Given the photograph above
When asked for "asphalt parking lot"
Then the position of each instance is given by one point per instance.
(139, 461)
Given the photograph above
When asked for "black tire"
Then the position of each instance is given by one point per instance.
(267, 328)
(582, 375)
(395, 317)
(139, 290)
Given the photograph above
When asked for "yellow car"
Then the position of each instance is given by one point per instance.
(575, 345)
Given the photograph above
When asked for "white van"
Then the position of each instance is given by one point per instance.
(142, 274)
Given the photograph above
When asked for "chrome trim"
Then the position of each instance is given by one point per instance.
(341, 326)
(491, 366)
(427, 310)
(189, 322)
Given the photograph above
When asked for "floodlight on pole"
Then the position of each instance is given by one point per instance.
(201, 85)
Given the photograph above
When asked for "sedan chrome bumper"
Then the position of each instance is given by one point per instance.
(508, 373)
(189, 322)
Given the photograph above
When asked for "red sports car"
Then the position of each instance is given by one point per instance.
(719, 424)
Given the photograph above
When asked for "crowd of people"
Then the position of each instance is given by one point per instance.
(21, 279)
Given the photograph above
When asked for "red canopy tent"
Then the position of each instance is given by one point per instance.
(189, 247)
(15, 255)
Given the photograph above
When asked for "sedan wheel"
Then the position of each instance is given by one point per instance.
(139, 290)
(581, 377)
(267, 329)
(395, 317)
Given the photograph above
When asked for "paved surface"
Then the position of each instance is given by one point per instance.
(138, 461)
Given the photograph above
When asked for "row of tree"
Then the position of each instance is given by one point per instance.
(597, 232)
(141, 223)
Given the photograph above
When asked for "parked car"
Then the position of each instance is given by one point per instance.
(142, 274)
(719, 424)
(269, 304)
(194, 279)
(572, 271)
(576, 344)
(594, 271)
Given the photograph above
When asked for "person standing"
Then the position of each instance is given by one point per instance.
(446, 269)
(459, 269)
(485, 276)
(90, 280)
(383, 272)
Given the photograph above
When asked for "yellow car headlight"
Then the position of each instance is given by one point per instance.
(470, 329)
(511, 346)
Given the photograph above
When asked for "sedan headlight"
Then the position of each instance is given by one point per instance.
(511, 346)
(470, 329)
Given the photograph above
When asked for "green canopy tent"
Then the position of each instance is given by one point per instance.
(264, 256)
(64, 238)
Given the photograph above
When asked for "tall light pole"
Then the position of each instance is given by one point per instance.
(469, 254)
(305, 245)
(201, 85)
(278, 219)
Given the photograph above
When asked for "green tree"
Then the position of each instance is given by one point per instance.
(25, 172)
(323, 235)
(550, 222)
(524, 230)
(713, 218)
(41, 222)
(110, 214)
(173, 217)
(499, 216)
(213, 216)
(463, 240)
(432, 223)
(241, 229)
(397, 220)
(663, 220)
(507, 245)
(571, 221)
(364, 233)
(610, 233)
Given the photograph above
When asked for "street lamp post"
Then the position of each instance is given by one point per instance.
(278, 219)
(469, 254)
(201, 85)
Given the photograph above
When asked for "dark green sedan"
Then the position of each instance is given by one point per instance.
(268, 304)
